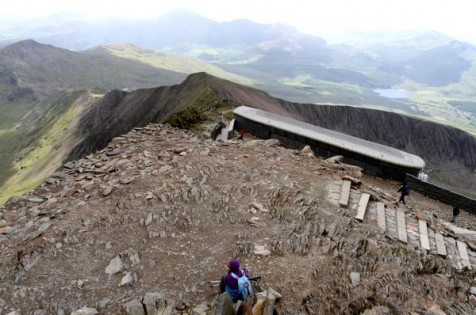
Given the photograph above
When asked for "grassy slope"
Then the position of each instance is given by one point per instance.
(10, 140)
(436, 101)
(171, 62)
(47, 146)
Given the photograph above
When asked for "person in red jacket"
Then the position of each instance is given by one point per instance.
(242, 133)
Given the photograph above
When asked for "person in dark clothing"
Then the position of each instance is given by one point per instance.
(455, 214)
(404, 191)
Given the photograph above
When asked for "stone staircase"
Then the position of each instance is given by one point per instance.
(408, 228)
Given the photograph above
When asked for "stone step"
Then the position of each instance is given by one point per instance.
(381, 221)
(409, 230)
(364, 200)
(345, 193)
(401, 226)
(453, 252)
(424, 241)
(463, 254)
(440, 245)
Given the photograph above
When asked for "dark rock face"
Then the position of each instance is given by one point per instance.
(97, 125)
(11, 91)
(21, 93)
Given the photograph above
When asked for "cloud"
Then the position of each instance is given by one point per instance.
(451, 17)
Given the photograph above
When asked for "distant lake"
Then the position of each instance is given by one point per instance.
(393, 93)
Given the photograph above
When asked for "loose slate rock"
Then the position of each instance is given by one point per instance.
(69, 165)
(116, 151)
(355, 278)
(129, 279)
(107, 191)
(115, 265)
(155, 303)
(85, 311)
(223, 305)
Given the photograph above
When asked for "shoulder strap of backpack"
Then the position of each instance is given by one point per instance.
(234, 275)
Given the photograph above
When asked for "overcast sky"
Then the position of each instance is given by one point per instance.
(453, 17)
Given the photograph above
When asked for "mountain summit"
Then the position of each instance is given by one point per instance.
(156, 214)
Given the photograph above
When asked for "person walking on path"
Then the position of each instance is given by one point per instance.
(404, 191)
(455, 214)
(242, 133)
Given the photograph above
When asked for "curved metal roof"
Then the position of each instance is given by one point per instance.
(334, 138)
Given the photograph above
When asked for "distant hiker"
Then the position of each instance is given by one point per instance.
(236, 282)
(242, 133)
(217, 130)
(455, 214)
(404, 191)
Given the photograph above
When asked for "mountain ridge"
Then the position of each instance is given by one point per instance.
(449, 152)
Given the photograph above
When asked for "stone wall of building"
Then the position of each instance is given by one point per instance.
(369, 165)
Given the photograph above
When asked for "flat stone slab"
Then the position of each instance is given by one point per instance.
(440, 245)
(345, 193)
(224, 134)
(424, 241)
(463, 254)
(401, 226)
(364, 200)
(381, 216)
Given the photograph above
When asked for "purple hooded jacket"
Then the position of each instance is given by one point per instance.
(234, 266)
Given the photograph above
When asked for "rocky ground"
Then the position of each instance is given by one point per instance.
(160, 211)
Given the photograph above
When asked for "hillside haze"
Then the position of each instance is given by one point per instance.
(436, 73)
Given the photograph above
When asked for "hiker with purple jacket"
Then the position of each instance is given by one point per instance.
(229, 282)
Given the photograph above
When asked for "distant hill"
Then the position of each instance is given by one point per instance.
(442, 65)
(45, 68)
